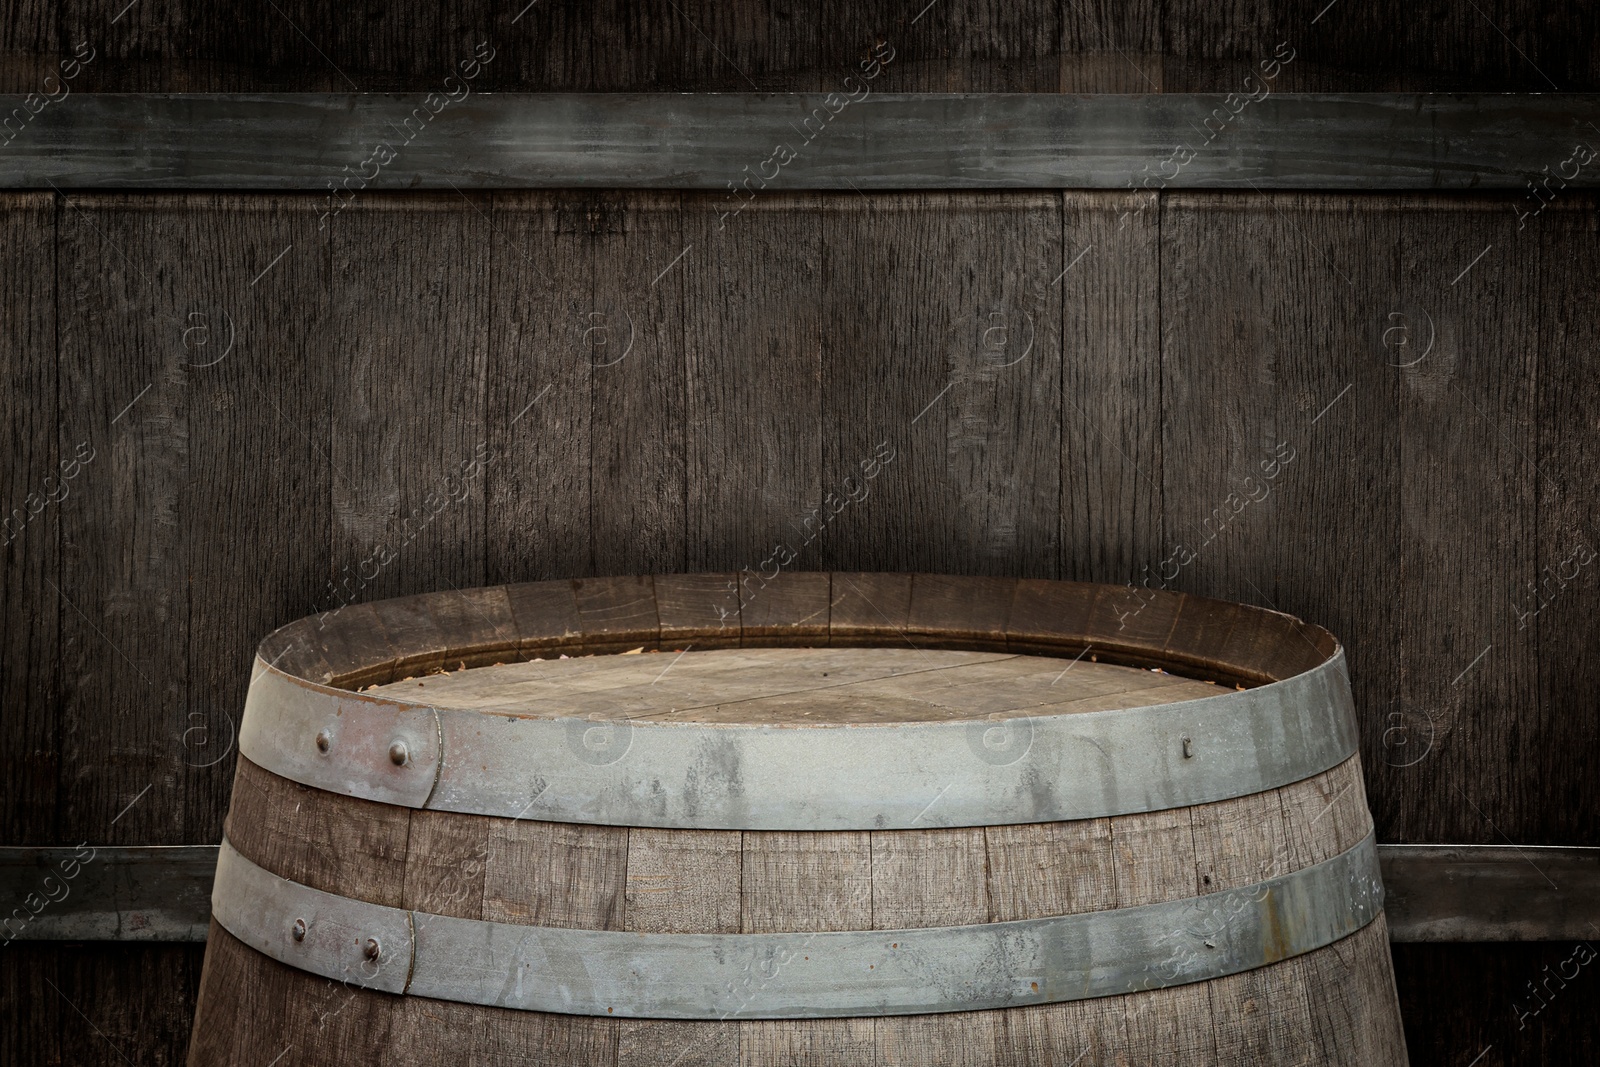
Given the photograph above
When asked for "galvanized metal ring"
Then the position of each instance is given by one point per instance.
(883, 776)
(798, 975)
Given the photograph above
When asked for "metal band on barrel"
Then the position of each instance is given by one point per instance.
(883, 776)
(798, 975)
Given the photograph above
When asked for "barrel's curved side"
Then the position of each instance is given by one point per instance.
(1339, 999)
(1332, 1007)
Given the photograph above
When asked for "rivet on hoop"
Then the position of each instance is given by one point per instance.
(398, 754)
(372, 950)
(299, 931)
(324, 739)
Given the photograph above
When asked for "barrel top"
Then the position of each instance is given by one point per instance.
(701, 683)
(794, 686)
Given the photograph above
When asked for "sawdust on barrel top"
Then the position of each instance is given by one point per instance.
(797, 686)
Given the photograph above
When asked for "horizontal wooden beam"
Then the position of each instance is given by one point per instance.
(1433, 893)
(744, 143)
(1491, 892)
(103, 893)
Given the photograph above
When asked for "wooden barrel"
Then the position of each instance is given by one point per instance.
(818, 819)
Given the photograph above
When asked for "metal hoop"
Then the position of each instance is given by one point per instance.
(798, 975)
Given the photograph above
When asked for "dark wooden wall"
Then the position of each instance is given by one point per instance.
(770, 46)
(1122, 404)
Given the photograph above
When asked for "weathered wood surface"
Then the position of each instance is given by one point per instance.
(98, 1004)
(1358, 142)
(1486, 995)
(409, 317)
(1326, 544)
(596, 877)
(791, 685)
(254, 488)
(36, 487)
(120, 307)
(978, 45)
(1564, 469)
(753, 381)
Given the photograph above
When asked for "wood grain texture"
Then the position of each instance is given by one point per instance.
(698, 610)
(356, 646)
(444, 1029)
(754, 369)
(870, 608)
(1006, 47)
(1558, 608)
(483, 624)
(114, 1002)
(1293, 307)
(260, 267)
(617, 614)
(1261, 1015)
(683, 883)
(1343, 980)
(122, 298)
(1488, 1003)
(796, 686)
(1049, 869)
(510, 870)
(370, 645)
(26, 973)
(546, 617)
(243, 997)
(539, 391)
(1484, 410)
(408, 494)
(31, 473)
(793, 881)
(882, 368)
(447, 862)
(1346, 979)
(1041, 46)
(272, 1010)
(962, 346)
(787, 609)
(959, 614)
(1153, 855)
(1110, 388)
(1496, 47)
(633, 338)
(552, 874)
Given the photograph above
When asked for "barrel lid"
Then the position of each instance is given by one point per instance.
(796, 686)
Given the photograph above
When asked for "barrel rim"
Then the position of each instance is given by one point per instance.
(372, 643)
(688, 775)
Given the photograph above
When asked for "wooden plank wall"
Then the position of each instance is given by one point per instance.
(1081, 425)
(1070, 385)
